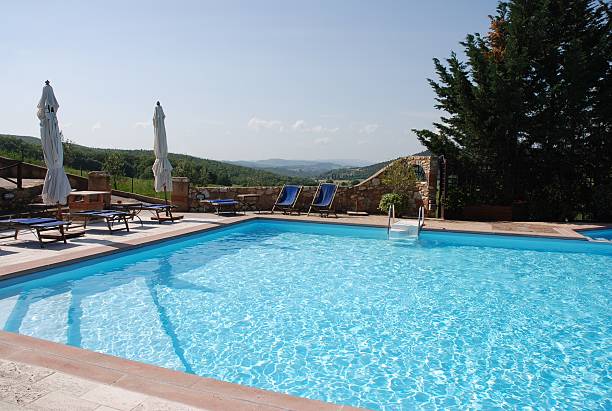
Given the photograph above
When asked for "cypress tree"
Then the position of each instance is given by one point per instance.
(529, 109)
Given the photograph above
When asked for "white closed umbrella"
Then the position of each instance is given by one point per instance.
(162, 169)
(56, 187)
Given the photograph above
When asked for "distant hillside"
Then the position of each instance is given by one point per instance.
(296, 168)
(354, 173)
(137, 163)
(361, 173)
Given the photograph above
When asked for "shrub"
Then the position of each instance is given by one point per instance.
(392, 199)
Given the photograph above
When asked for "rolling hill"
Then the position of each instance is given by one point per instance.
(298, 168)
(137, 163)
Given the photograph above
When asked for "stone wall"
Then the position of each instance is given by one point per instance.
(361, 197)
(12, 199)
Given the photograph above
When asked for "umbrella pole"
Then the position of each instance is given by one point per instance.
(165, 195)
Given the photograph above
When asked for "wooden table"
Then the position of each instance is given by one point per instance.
(249, 201)
(88, 200)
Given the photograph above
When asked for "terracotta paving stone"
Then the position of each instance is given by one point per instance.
(72, 367)
(150, 372)
(19, 341)
(6, 349)
(202, 399)
(276, 399)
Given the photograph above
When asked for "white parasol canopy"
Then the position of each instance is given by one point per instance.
(162, 169)
(56, 187)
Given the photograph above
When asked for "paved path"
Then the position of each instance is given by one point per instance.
(27, 387)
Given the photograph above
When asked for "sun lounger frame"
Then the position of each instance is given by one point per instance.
(219, 204)
(39, 229)
(163, 212)
(109, 216)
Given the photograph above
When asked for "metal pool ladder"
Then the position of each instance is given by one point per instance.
(404, 229)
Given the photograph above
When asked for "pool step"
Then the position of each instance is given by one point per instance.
(405, 229)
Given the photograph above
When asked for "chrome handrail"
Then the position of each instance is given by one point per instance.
(421, 218)
(391, 214)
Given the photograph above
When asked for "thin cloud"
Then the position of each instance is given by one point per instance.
(322, 140)
(96, 126)
(369, 129)
(260, 124)
(142, 124)
(301, 126)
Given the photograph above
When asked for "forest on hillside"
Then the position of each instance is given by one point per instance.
(137, 164)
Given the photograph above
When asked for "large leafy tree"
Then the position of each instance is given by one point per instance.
(528, 111)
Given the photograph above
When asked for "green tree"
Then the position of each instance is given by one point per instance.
(114, 165)
(528, 112)
(400, 177)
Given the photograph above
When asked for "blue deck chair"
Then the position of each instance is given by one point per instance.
(324, 199)
(287, 199)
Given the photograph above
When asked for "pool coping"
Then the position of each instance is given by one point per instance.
(158, 381)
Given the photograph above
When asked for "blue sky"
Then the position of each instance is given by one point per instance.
(237, 79)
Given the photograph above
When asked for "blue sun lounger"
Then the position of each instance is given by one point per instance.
(223, 205)
(109, 216)
(40, 226)
(287, 199)
(323, 199)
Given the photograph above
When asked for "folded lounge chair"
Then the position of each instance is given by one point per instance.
(287, 199)
(109, 216)
(324, 199)
(223, 206)
(40, 227)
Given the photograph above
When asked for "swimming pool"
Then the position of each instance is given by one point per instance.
(341, 314)
(600, 234)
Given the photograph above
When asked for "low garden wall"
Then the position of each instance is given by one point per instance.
(17, 200)
(361, 197)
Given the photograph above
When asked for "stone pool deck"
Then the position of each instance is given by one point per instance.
(37, 374)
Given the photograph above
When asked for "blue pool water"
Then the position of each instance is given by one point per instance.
(341, 314)
(603, 234)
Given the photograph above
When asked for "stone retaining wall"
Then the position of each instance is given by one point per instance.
(19, 198)
(361, 197)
